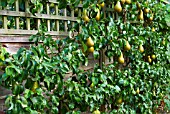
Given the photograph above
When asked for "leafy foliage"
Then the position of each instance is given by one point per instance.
(137, 86)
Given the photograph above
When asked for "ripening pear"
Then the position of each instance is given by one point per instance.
(153, 56)
(89, 42)
(85, 17)
(137, 91)
(121, 59)
(118, 7)
(98, 15)
(96, 112)
(163, 41)
(151, 18)
(128, 1)
(127, 46)
(153, 29)
(122, 1)
(138, 5)
(90, 49)
(146, 10)
(141, 49)
(102, 4)
(140, 16)
(149, 59)
(35, 86)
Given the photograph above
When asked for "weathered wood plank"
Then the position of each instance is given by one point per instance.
(48, 12)
(5, 20)
(37, 15)
(27, 19)
(30, 32)
(17, 10)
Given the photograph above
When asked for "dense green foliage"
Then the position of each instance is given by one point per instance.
(137, 86)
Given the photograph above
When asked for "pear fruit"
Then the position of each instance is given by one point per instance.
(102, 4)
(98, 15)
(90, 49)
(137, 91)
(128, 1)
(35, 86)
(153, 56)
(121, 59)
(85, 17)
(153, 29)
(96, 112)
(149, 59)
(146, 10)
(140, 16)
(127, 46)
(163, 41)
(119, 100)
(151, 18)
(118, 7)
(122, 1)
(89, 42)
(141, 49)
(91, 85)
(138, 5)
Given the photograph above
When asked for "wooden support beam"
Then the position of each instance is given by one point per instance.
(17, 10)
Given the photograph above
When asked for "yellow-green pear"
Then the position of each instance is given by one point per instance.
(102, 4)
(141, 49)
(153, 29)
(90, 49)
(98, 15)
(146, 10)
(118, 7)
(128, 1)
(153, 56)
(121, 59)
(163, 41)
(89, 42)
(35, 86)
(151, 18)
(96, 112)
(122, 1)
(85, 17)
(149, 59)
(138, 5)
(140, 16)
(137, 91)
(127, 46)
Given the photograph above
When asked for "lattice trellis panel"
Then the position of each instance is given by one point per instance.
(18, 22)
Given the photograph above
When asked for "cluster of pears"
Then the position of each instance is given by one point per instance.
(142, 12)
(118, 7)
(90, 45)
(127, 47)
(150, 58)
(98, 15)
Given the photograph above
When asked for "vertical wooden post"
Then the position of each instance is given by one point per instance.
(79, 15)
(5, 21)
(27, 19)
(72, 15)
(38, 20)
(17, 10)
(57, 21)
(65, 22)
(48, 21)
